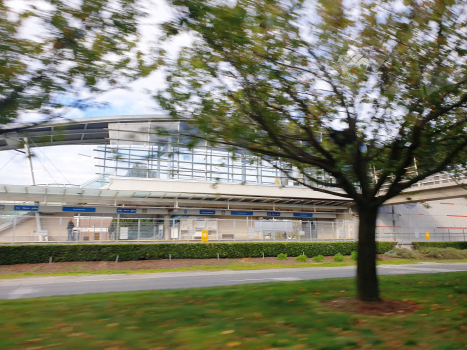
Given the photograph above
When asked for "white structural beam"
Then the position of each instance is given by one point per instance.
(234, 189)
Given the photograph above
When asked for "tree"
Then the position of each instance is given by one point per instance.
(56, 54)
(347, 94)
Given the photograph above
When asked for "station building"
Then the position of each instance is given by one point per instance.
(152, 188)
(149, 188)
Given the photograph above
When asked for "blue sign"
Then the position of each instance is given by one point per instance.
(272, 213)
(241, 213)
(303, 215)
(79, 209)
(208, 212)
(27, 207)
(126, 211)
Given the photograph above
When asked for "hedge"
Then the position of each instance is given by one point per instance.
(457, 245)
(33, 254)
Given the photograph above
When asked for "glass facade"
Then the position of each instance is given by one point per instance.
(178, 162)
(136, 150)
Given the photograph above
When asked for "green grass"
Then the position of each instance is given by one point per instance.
(286, 315)
(411, 261)
(235, 266)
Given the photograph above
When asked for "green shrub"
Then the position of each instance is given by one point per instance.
(354, 256)
(457, 245)
(40, 253)
(302, 258)
(282, 256)
(318, 258)
(402, 253)
(443, 253)
(338, 257)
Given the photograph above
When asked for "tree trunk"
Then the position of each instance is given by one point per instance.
(367, 279)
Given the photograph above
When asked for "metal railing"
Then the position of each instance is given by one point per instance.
(437, 179)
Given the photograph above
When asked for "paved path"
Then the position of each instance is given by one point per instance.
(32, 287)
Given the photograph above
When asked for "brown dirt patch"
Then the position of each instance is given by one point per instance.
(384, 308)
(60, 267)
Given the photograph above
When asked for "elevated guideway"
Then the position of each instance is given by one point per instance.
(80, 131)
(436, 187)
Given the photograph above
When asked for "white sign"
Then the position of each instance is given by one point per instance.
(251, 232)
(302, 233)
(186, 225)
(211, 225)
(200, 224)
(43, 235)
(161, 231)
(417, 235)
(123, 232)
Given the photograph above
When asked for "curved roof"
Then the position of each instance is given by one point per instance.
(80, 131)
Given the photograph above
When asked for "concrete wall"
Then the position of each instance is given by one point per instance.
(444, 217)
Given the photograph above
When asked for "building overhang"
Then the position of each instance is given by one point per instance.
(157, 193)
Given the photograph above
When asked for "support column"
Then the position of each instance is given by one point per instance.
(28, 154)
(167, 227)
(14, 230)
(101, 230)
(117, 232)
(60, 227)
(31, 173)
(139, 228)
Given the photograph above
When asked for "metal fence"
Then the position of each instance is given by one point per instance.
(26, 229)
(405, 235)
(32, 229)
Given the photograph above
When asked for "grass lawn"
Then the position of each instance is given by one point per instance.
(285, 315)
(233, 266)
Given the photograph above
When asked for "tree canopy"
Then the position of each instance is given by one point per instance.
(56, 54)
(347, 93)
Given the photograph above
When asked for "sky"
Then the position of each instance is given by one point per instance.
(51, 165)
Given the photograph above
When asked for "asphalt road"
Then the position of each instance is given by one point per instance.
(33, 287)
